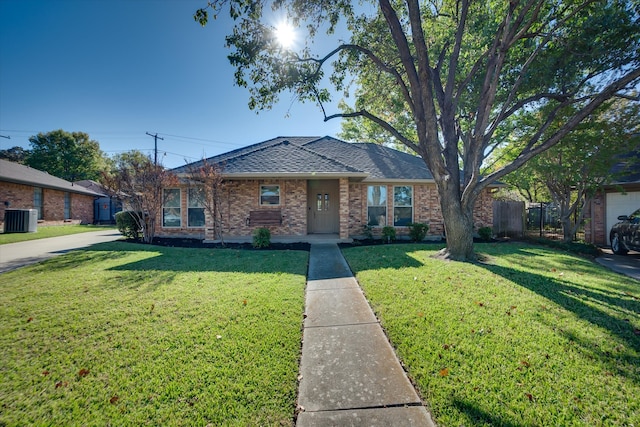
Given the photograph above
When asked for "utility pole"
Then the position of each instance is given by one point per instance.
(155, 147)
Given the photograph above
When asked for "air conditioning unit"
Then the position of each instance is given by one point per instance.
(20, 220)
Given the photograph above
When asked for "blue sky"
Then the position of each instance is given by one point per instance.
(120, 68)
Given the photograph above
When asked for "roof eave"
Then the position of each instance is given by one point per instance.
(289, 175)
(81, 190)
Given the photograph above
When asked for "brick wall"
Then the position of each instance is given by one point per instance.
(426, 209)
(21, 197)
(595, 219)
(243, 196)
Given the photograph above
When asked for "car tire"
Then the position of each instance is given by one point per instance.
(616, 245)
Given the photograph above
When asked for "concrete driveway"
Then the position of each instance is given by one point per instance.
(16, 255)
(624, 264)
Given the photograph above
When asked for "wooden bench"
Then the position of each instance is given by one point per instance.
(265, 217)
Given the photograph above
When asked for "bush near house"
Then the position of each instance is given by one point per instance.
(418, 231)
(127, 225)
(261, 238)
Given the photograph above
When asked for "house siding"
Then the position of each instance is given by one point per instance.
(20, 196)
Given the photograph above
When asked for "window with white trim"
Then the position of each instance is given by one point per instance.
(402, 205)
(376, 205)
(171, 213)
(269, 195)
(195, 207)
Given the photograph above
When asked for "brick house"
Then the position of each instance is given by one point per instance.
(621, 197)
(56, 200)
(299, 186)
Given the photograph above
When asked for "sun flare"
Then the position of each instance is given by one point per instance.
(285, 34)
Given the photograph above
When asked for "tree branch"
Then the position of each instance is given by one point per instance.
(384, 124)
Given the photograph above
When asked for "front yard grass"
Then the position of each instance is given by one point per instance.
(50, 231)
(128, 334)
(530, 337)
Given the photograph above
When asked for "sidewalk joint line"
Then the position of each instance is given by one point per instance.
(363, 408)
(342, 324)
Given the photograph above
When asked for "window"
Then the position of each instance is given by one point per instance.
(37, 201)
(67, 205)
(171, 215)
(377, 205)
(322, 202)
(195, 207)
(269, 195)
(402, 205)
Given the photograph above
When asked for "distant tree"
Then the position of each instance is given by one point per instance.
(15, 154)
(445, 78)
(572, 172)
(207, 178)
(140, 184)
(68, 155)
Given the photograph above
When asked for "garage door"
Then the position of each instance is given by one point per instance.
(620, 204)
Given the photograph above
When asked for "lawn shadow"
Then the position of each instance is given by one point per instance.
(75, 258)
(378, 257)
(580, 300)
(480, 416)
(185, 260)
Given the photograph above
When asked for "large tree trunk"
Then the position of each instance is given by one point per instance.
(458, 225)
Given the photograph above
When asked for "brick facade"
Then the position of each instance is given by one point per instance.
(22, 197)
(426, 209)
(595, 218)
(243, 196)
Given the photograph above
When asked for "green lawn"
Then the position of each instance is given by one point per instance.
(49, 231)
(530, 337)
(127, 334)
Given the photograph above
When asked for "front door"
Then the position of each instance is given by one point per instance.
(323, 206)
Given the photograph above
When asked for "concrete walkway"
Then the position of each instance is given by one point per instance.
(350, 373)
(15, 255)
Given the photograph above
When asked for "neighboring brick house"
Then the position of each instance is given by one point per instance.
(56, 200)
(621, 197)
(308, 185)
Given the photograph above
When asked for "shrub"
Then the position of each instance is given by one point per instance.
(388, 233)
(367, 231)
(261, 238)
(127, 224)
(485, 233)
(418, 231)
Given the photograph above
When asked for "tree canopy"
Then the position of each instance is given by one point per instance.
(447, 78)
(574, 170)
(68, 155)
(136, 180)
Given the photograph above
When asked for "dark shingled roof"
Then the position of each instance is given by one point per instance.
(627, 169)
(20, 174)
(378, 161)
(283, 156)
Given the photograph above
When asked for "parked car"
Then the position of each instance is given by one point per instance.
(625, 235)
